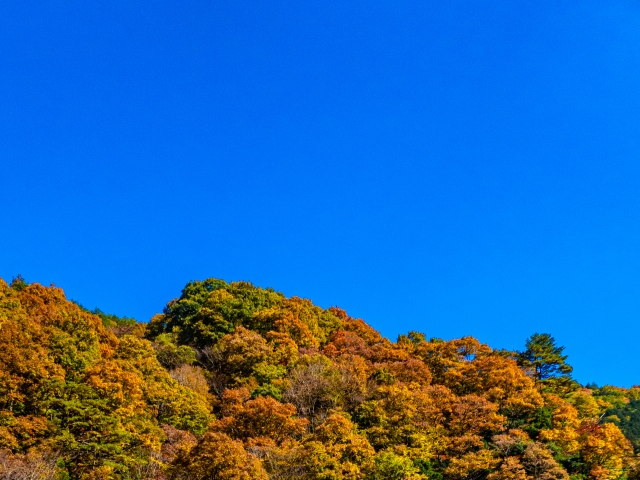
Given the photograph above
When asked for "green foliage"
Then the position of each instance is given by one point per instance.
(614, 396)
(383, 376)
(544, 359)
(266, 373)
(18, 283)
(111, 320)
(210, 309)
(87, 433)
(267, 391)
(171, 355)
(429, 470)
(412, 337)
(627, 417)
(542, 419)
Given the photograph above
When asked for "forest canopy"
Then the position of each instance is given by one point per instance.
(234, 381)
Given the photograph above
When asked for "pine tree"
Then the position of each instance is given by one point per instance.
(546, 364)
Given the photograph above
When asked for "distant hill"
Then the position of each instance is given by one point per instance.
(234, 381)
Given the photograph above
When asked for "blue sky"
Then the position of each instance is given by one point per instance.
(457, 168)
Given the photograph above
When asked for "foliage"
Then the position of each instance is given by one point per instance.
(68, 385)
(544, 360)
(233, 381)
(219, 457)
(627, 417)
(112, 320)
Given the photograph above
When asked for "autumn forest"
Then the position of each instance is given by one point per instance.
(234, 381)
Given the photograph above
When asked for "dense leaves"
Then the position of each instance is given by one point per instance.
(68, 385)
(237, 382)
(546, 364)
(627, 417)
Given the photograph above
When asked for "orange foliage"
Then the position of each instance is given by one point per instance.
(298, 392)
(243, 418)
(217, 456)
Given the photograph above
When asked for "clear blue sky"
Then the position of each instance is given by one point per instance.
(456, 167)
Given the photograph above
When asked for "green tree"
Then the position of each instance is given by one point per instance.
(544, 361)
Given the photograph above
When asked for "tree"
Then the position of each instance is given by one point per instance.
(217, 457)
(335, 451)
(540, 464)
(472, 465)
(544, 360)
(243, 418)
(390, 466)
(511, 469)
(605, 450)
(34, 465)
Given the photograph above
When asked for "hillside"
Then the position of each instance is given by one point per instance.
(232, 381)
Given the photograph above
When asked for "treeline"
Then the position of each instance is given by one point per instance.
(238, 382)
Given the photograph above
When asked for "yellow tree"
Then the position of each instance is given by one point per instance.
(606, 450)
(217, 457)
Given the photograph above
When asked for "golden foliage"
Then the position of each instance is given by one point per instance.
(217, 456)
(238, 382)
